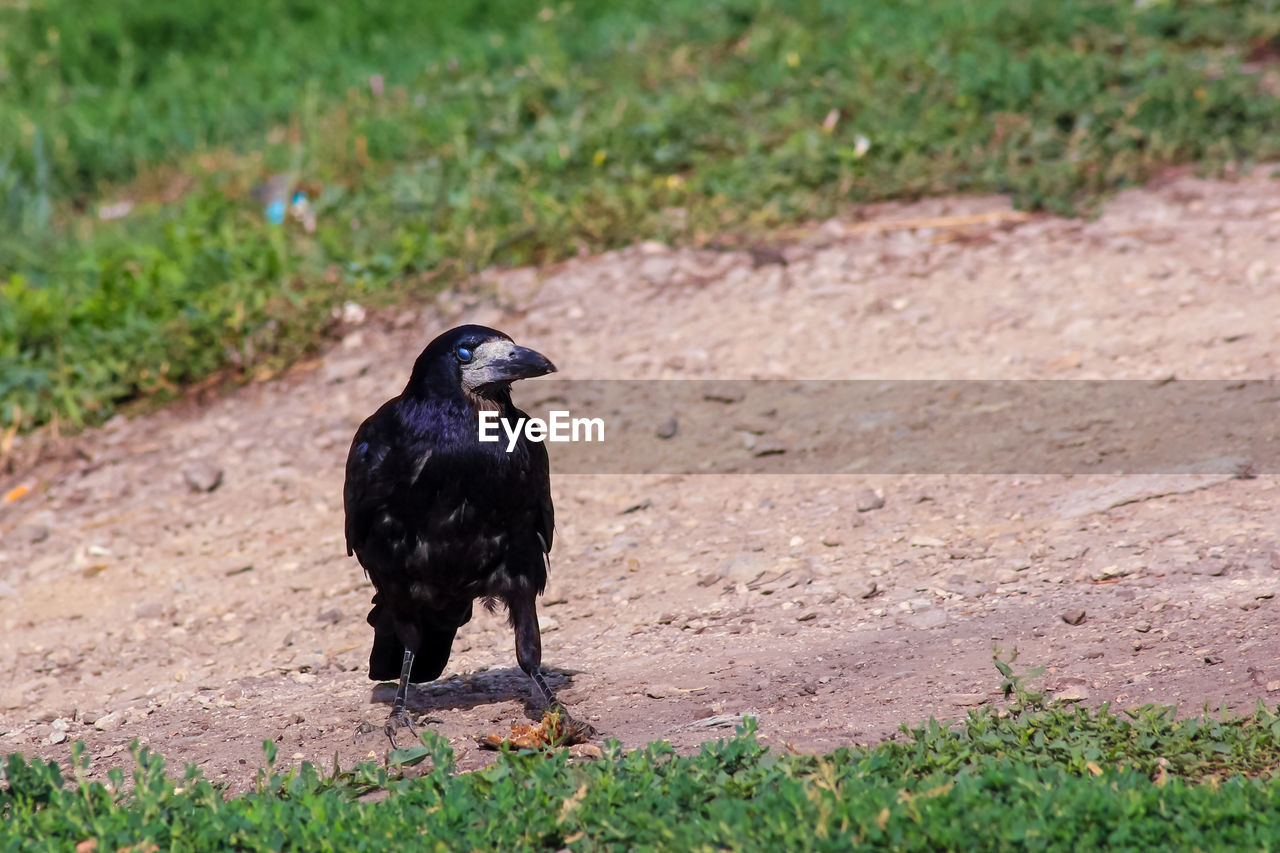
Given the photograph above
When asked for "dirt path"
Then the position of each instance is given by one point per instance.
(135, 606)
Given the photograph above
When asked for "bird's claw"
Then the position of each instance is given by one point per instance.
(399, 719)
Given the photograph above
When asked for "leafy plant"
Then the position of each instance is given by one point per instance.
(1049, 778)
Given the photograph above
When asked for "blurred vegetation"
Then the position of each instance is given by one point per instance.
(438, 138)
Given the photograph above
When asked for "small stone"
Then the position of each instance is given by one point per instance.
(796, 541)
(202, 476)
(331, 616)
(230, 636)
(1275, 559)
(148, 610)
(831, 541)
(309, 662)
(667, 429)
(1073, 617)
(586, 752)
(967, 700)
(548, 624)
(1142, 627)
(658, 691)
(1273, 686)
(57, 736)
(11, 698)
(933, 617)
(926, 542)
(867, 500)
(109, 722)
(1073, 693)
(807, 617)
(32, 534)
(1006, 576)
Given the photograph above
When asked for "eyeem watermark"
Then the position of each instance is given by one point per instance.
(560, 426)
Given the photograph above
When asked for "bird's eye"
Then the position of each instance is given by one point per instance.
(464, 354)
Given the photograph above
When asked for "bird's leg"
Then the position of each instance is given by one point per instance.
(524, 617)
(399, 719)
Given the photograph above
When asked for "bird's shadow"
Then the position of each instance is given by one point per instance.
(469, 690)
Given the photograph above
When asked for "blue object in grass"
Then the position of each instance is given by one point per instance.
(275, 212)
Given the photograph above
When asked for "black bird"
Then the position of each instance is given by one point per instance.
(438, 518)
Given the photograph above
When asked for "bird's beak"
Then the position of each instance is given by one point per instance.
(501, 362)
(522, 363)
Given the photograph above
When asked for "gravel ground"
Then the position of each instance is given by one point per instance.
(181, 578)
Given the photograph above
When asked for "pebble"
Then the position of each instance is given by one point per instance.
(1073, 693)
(148, 610)
(658, 691)
(1006, 576)
(109, 722)
(1142, 627)
(667, 429)
(331, 616)
(966, 700)
(933, 617)
(1107, 573)
(1073, 617)
(309, 661)
(32, 534)
(926, 542)
(867, 500)
(586, 751)
(229, 636)
(1275, 559)
(807, 617)
(11, 698)
(202, 476)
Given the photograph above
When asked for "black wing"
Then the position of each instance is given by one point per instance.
(546, 518)
(378, 466)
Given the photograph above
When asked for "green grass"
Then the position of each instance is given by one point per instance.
(512, 133)
(1034, 779)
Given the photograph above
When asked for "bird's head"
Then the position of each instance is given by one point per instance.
(482, 362)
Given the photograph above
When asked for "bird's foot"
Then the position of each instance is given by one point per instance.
(399, 719)
(571, 729)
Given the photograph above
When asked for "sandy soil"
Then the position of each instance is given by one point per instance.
(135, 603)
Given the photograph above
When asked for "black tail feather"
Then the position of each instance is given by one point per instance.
(435, 641)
